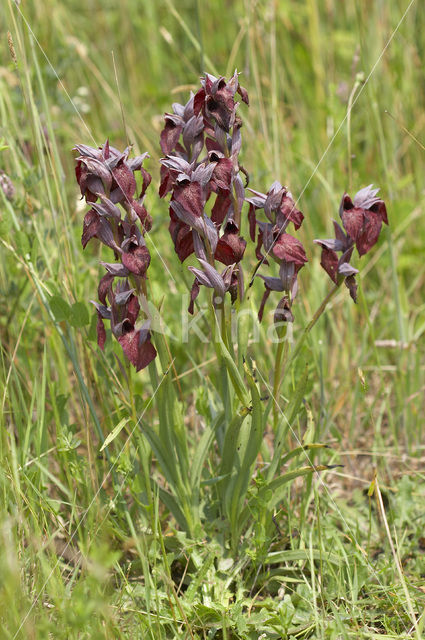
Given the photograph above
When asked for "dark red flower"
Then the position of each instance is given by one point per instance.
(278, 205)
(362, 218)
(136, 259)
(137, 347)
(221, 207)
(221, 179)
(289, 249)
(109, 175)
(339, 269)
(216, 99)
(230, 247)
(171, 133)
(189, 195)
(182, 237)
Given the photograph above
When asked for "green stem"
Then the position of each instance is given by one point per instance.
(308, 328)
(281, 354)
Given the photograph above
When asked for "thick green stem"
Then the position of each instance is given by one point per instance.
(302, 338)
(281, 355)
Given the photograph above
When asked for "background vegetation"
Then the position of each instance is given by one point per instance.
(77, 559)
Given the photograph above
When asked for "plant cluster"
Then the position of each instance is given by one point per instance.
(202, 175)
(201, 172)
(207, 121)
(107, 178)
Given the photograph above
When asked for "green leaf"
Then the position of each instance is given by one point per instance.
(234, 373)
(60, 308)
(292, 555)
(173, 507)
(22, 242)
(79, 315)
(115, 432)
(201, 451)
(303, 449)
(249, 444)
(276, 486)
(6, 223)
(230, 443)
(286, 423)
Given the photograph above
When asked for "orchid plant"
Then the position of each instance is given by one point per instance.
(202, 175)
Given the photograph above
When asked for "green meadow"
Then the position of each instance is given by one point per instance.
(126, 509)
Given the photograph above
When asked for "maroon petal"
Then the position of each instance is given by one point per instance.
(90, 185)
(194, 292)
(147, 179)
(329, 262)
(184, 244)
(143, 215)
(101, 333)
(351, 285)
(167, 180)
(137, 260)
(170, 136)
(221, 207)
(352, 220)
(198, 101)
(230, 248)
(182, 237)
(91, 226)
(124, 181)
(105, 287)
(263, 303)
(346, 203)
(258, 253)
(133, 308)
(79, 170)
(290, 249)
(244, 94)
(212, 145)
(221, 108)
(381, 210)
(222, 175)
(190, 197)
(290, 212)
(369, 235)
(252, 221)
(139, 352)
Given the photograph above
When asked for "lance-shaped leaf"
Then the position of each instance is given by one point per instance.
(107, 208)
(135, 164)
(89, 152)
(103, 311)
(116, 269)
(177, 164)
(187, 217)
(209, 277)
(210, 234)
